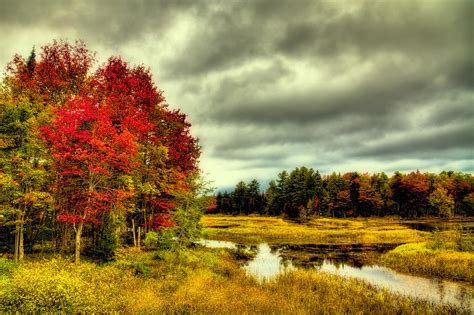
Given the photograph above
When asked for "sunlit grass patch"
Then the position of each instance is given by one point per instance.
(276, 230)
(421, 258)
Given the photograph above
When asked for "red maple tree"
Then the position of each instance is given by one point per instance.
(89, 153)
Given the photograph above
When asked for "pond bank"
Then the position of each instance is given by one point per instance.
(419, 258)
(270, 262)
(358, 243)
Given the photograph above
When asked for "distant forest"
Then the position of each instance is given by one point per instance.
(304, 192)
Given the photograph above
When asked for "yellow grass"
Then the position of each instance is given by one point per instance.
(249, 229)
(419, 258)
(201, 281)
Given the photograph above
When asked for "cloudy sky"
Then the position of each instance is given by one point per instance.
(274, 84)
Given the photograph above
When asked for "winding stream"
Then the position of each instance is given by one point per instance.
(269, 263)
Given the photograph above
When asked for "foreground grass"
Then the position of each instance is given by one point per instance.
(421, 258)
(273, 230)
(195, 281)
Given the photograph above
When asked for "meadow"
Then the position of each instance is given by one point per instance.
(211, 281)
(448, 254)
(276, 230)
(199, 280)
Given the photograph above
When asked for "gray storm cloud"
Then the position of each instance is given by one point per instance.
(271, 85)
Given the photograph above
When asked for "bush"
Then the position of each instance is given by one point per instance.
(188, 227)
(43, 289)
(163, 239)
(141, 269)
(464, 240)
(437, 242)
(7, 266)
(60, 286)
(105, 241)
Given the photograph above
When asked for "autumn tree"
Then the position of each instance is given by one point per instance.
(304, 192)
(90, 153)
(168, 153)
(60, 72)
(87, 118)
(411, 193)
(442, 202)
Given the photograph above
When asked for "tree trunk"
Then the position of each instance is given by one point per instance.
(133, 231)
(17, 242)
(65, 238)
(139, 237)
(78, 242)
(21, 248)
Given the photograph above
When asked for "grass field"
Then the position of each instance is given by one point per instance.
(200, 280)
(274, 230)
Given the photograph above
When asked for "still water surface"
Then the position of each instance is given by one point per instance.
(268, 264)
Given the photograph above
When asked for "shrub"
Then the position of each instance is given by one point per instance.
(437, 241)
(105, 241)
(59, 286)
(7, 266)
(464, 240)
(141, 269)
(43, 289)
(188, 227)
(163, 239)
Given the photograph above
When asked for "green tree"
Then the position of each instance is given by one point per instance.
(442, 202)
(191, 205)
(26, 200)
(254, 198)
(240, 196)
(272, 198)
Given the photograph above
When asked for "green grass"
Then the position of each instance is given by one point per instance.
(421, 258)
(200, 280)
(273, 230)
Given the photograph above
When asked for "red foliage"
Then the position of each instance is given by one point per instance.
(162, 220)
(129, 94)
(104, 125)
(212, 207)
(173, 131)
(88, 152)
(60, 73)
(411, 193)
(163, 205)
(136, 105)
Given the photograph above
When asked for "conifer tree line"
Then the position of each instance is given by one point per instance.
(89, 150)
(304, 192)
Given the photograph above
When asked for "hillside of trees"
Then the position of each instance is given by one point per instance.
(304, 192)
(89, 150)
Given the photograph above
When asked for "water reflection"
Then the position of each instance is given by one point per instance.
(268, 263)
(435, 290)
(217, 244)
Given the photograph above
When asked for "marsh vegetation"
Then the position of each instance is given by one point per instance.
(199, 280)
(367, 249)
